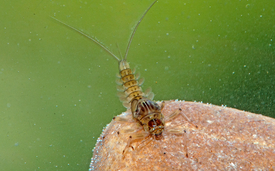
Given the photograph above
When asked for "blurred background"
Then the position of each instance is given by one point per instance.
(58, 88)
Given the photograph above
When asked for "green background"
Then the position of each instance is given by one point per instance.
(58, 88)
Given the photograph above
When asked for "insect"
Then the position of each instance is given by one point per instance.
(144, 110)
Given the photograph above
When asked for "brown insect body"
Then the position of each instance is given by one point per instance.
(144, 110)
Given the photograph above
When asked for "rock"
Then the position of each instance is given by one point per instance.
(226, 139)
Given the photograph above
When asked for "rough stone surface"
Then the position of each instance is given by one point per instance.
(226, 139)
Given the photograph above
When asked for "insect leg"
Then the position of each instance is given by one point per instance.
(132, 138)
(120, 119)
(176, 113)
(185, 136)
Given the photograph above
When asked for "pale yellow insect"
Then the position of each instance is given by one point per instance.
(144, 110)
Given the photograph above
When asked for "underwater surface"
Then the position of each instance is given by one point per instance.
(58, 88)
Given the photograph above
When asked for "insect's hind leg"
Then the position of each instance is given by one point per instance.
(172, 116)
(185, 136)
(176, 113)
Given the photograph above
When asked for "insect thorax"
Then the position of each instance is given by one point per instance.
(148, 113)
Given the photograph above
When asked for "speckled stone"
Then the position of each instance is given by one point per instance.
(226, 139)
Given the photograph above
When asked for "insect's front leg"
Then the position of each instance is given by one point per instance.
(137, 136)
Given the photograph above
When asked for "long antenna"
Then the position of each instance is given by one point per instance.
(133, 33)
(89, 37)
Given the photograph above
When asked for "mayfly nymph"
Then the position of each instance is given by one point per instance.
(144, 110)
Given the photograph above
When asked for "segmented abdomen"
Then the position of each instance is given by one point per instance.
(129, 86)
